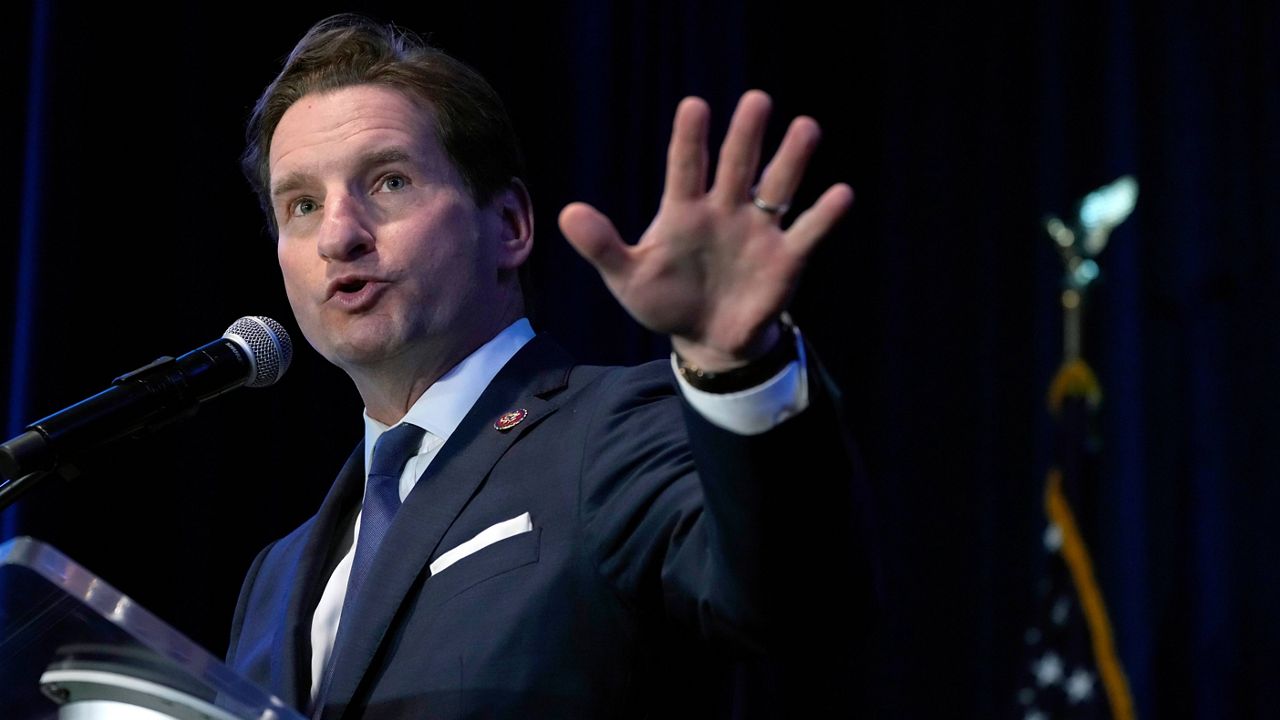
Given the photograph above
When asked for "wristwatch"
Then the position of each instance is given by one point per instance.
(748, 376)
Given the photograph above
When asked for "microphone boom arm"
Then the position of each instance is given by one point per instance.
(255, 351)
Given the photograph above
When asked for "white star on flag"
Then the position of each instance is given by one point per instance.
(1080, 686)
(1060, 609)
(1052, 537)
(1048, 669)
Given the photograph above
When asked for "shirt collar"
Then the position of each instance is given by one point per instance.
(441, 408)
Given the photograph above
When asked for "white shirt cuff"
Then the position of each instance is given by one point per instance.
(755, 410)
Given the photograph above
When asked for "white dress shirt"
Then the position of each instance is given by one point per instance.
(444, 404)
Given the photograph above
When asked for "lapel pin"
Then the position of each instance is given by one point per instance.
(510, 419)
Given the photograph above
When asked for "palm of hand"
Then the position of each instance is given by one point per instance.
(714, 270)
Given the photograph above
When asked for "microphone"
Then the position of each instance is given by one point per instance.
(255, 351)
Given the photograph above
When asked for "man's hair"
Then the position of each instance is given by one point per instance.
(346, 50)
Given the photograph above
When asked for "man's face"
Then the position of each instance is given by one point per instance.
(387, 260)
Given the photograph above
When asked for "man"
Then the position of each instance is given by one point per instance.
(557, 535)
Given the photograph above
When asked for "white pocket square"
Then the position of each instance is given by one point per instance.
(485, 538)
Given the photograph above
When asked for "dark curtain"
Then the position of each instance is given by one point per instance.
(130, 234)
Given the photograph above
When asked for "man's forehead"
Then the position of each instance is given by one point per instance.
(355, 125)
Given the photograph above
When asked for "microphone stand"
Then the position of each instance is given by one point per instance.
(151, 397)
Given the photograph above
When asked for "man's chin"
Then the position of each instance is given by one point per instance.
(362, 359)
(361, 342)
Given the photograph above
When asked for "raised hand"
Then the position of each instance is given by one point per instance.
(715, 268)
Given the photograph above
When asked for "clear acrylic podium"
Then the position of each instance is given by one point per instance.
(74, 648)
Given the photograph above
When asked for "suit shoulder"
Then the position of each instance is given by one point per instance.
(648, 380)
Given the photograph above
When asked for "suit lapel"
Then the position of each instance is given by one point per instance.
(530, 382)
(318, 557)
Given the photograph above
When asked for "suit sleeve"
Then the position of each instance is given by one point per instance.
(758, 541)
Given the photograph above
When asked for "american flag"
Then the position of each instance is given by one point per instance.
(1071, 669)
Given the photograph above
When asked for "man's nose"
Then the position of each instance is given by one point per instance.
(346, 233)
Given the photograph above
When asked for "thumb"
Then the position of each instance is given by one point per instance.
(595, 238)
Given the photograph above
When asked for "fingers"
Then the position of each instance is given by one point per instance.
(813, 224)
(595, 238)
(781, 178)
(740, 153)
(687, 154)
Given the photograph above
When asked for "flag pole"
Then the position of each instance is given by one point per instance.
(1099, 213)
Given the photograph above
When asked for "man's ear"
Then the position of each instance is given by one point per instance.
(515, 214)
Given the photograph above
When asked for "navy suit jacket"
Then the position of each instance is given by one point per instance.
(658, 541)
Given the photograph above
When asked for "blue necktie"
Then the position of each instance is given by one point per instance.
(391, 452)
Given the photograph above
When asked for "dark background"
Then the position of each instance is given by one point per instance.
(128, 233)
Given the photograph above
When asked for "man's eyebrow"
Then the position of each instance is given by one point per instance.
(289, 183)
(386, 156)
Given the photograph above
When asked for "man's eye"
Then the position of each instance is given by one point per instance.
(304, 206)
(393, 183)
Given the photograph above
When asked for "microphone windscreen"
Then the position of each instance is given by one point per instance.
(267, 344)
